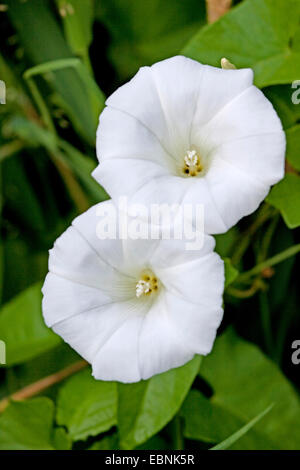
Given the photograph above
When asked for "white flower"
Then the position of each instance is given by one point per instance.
(181, 131)
(132, 308)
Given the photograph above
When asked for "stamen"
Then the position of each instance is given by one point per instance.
(142, 287)
(191, 158)
(192, 163)
(146, 285)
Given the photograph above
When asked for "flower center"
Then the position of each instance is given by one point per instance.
(192, 164)
(146, 285)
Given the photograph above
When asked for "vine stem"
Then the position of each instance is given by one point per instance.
(265, 212)
(217, 8)
(293, 250)
(7, 150)
(244, 294)
(42, 384)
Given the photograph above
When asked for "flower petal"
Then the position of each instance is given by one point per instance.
(200, 281)
(73, 258)
(120, 176)
(249, 114)
(92, 332)
(218, 88)
(121, 135)
(196, 324)
(178, 81)
(236, 193)
(200, 192)
(139, 99)
(160, 346)
(118, 358)
(172, 253)
(242, 154)
(64, 298)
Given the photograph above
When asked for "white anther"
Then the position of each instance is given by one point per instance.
(142, 287)
(191, 158)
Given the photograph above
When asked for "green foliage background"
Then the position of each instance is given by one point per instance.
(59, 59)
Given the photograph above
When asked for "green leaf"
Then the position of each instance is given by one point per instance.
(48, 363)
(33, 134)
(145, 32)
(245, 382)
(22, 327)
(43, 41)
(86, 406)
(81, 165)
(241, 432)
(77, 17)
(61, 440)
(293, 146)
(212, 422)
(261, 34)
(95, 96)
(20, 196)
(225, 242)
(231, 273)
(147, 406)
(106, 443)
(280, 96)
(29, 426)
(285, 196)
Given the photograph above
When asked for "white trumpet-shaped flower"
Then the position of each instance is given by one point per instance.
(132, 308)
(183, 132)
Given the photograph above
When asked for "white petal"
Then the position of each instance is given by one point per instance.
(110, 250)
(197, 324)
(64, 298)
(218, 88)
(139, 99)
(160, 346)
(91, 332)
(73, 258)
(200, 193)
(162, 190)
(244, 154)
(118, 358)
(235, 192)
(120, 135)
(178, 81)
(120, 176)
(171, 253)
(200, 281)
(249, 114)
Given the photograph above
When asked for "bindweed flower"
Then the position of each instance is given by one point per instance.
(183, 132)
(132, 308)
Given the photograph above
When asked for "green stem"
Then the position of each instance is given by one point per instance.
(266, 322)
(244, 294)
(267, 239)
(178, 441)
(292, 251)
(41, 105)
(264, 214)
(11, 148)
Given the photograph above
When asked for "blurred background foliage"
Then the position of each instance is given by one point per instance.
(59, 59)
